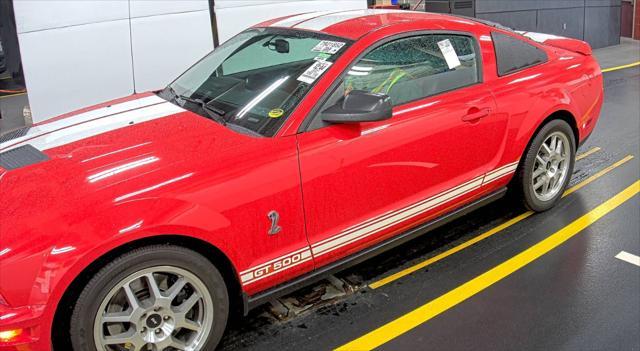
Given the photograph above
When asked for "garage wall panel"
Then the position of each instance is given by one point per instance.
(555, 4)
(34, 15)
(234, 16)
(595, 21)
(143, 8)
(603, 2)
(519, 20)
(484, 6)
(160, 55)
(566, 22)
(67, 68)
(602, 26)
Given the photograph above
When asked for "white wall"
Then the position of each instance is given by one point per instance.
(76, 53)
(82, 52)
(233, 16)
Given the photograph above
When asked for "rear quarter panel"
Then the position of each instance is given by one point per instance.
(568, 81)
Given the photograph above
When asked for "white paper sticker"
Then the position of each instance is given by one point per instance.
(328, 47)
(312, 73)
(449, 53)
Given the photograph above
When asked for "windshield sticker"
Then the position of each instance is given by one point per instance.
(312, 73)
(322, 57)
(276, 113)
(328, 47)
(449, 53)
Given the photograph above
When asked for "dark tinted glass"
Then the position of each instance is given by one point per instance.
(513, 54)
(412, 68)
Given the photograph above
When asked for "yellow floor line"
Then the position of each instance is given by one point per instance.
(10, 95)
(377, 284)
(637, 63)
(597, 175)
(435, 307)
(588, 153)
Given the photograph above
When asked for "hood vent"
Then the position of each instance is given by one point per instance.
(20, 157)
(14, 134)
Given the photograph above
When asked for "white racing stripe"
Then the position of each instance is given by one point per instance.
(403, 215)
(83, 117)
(275, 266)
(96, 126)
(370, 227)
(500, 172)
(248, 282)
(539, 37)
(388, 214)
(273, 260)
(322, 22)
(293, 20)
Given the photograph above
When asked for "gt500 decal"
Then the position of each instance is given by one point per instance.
(371, 226)
(275, 266)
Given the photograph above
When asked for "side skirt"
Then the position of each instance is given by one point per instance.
(251, 302)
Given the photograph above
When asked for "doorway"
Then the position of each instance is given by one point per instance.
(14, 103)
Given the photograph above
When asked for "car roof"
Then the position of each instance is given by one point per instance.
(356, 23)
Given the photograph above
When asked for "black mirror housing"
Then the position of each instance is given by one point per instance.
(282, 46)
(359, 106)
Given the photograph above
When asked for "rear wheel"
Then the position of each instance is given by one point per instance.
(547, 166)
(158, 298)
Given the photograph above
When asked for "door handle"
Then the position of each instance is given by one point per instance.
(475, 114)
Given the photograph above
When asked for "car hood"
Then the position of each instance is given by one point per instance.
(107, 155)
(142, 129)
(89, 123)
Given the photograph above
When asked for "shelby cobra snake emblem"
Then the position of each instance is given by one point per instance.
(274, 216)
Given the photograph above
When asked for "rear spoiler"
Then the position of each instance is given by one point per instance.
(570, 44)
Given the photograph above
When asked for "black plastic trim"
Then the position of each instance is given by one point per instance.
(14, 134)
(21, 156)
(251, 302)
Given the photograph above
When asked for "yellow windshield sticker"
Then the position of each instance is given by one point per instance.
(276, 113)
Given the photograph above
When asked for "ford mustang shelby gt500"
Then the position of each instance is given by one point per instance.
(298, 147)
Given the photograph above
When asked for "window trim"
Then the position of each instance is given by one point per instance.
(495, 54)
(315, 111)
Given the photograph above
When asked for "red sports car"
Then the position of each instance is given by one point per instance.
(300, 146)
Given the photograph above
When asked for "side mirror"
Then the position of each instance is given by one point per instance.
(359, 106)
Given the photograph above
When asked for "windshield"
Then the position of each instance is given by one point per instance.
(255, 80)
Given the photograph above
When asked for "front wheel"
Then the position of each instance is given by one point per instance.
(161, 298)
(546, 169)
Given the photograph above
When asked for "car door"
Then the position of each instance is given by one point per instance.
(365, 182)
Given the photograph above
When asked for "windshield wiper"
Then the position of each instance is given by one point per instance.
(214, 113)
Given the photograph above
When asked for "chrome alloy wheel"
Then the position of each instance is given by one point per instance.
(162, 308)
(551, 166)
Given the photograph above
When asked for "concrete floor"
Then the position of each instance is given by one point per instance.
(576, 297)
(628, 51)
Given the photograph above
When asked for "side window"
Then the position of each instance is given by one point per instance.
(416, 67)
(513, 54)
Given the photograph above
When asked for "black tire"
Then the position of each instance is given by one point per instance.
(523, 186)
(92, 296)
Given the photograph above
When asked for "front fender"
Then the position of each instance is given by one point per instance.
(49, 272)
